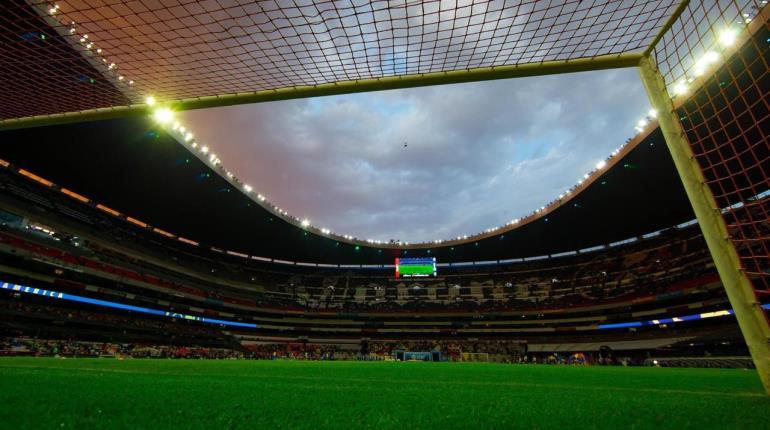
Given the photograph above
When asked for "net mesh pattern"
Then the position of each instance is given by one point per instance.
(727, 121)
(39, 71)
(177, 49)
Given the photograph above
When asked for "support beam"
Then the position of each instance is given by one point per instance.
(345, 87)
(740, 292)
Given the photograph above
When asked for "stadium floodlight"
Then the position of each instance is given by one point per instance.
(680, 88)
(150, 100)
(727, 37)
(205, 149)
(702, 64)
(163, 115)
(188, 137)
(600, 165)
(652, 113)
(247, 188)
(641, 123)
(305, 222)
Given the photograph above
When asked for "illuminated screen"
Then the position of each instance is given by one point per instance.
(415, 267)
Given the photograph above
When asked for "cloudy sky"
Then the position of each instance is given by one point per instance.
(477, 154)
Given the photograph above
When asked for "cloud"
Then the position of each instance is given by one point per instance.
(477, 154)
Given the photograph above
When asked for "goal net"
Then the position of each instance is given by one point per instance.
(475, 357)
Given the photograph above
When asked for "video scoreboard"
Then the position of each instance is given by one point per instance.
(415, 267)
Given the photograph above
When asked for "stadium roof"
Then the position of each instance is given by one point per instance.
(134, 167)
(106, 57)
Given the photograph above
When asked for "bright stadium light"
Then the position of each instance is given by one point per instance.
(305, 222)
(727, 37)
(653, 113)
(150, 100)
(599, 165)
(163, 115)
(188, 137)
(247, 188)
(707, 59)
(710, 57)
(205, 150)
(680, 88)
(641, 123)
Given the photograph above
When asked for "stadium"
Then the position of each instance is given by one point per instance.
(145, 284)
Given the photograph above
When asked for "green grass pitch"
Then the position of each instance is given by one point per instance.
(107, 393)
(414, 269)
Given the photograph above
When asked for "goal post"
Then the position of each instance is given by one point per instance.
(474, 357)
(739, 289)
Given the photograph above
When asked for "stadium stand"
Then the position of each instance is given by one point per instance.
(498, 311)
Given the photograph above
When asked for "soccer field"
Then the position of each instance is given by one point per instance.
(107, 393)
